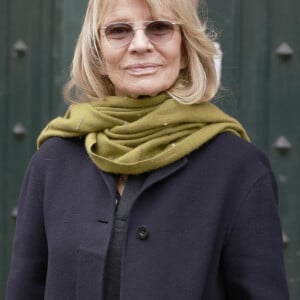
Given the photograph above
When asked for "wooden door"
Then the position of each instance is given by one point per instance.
(37, 38)
(261, 67)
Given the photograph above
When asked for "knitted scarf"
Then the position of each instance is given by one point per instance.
(133, 136)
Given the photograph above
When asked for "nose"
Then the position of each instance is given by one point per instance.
(140, 42)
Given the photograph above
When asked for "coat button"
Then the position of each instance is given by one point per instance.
(142, 233)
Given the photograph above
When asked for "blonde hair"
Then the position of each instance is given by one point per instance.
(196, 83)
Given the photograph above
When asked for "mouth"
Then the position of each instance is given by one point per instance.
(142, 69)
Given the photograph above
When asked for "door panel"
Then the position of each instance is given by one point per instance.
(37, 39)
(22, 89)
(284, 121)
(3, 133)
(264, 92)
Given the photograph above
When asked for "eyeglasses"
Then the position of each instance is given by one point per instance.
(121, 34)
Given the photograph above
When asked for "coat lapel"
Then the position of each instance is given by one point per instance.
(162, 173)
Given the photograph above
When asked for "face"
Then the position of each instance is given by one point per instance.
(140, 68)
(195, 3)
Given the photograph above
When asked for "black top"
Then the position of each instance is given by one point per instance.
(124, 204)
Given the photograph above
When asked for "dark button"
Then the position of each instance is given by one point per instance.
(142, 233)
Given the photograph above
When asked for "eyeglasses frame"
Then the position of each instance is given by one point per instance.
(135, 28)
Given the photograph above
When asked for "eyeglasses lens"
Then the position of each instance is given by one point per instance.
(121, 34)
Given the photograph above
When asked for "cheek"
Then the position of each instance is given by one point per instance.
(111, 64)
(177, 63)
(179, 53)
(111, 59)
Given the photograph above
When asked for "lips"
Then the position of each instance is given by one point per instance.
(142, 69)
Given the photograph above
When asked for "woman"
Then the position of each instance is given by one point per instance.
(145, 190)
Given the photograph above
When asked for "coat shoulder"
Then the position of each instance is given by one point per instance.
(228, 156)
(233, 149)
(60, 148)
(55, 151)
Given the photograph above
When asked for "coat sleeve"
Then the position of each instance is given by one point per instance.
(29, 255)
(253, 255)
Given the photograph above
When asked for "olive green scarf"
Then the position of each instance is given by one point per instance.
(133, 136)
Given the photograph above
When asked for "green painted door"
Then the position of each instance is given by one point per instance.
(37, 38)
(261, 67)
(25, 90)
(284, 125)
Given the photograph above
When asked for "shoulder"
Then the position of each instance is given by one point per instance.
(232, 147)
(60, 148)
(228, 156)
(56, 152)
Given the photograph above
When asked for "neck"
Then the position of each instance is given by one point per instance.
(121, 183)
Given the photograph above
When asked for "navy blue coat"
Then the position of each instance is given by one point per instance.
(214, 231)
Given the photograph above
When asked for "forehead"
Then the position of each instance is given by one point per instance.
(127, 8)
(112, 9)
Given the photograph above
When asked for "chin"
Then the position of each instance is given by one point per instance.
(145, 94)
(139, 89)
(136, 93)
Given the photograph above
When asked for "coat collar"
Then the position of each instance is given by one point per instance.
(153, 177)
(164, 172)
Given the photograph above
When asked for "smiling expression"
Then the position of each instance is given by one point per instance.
(141, 67)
